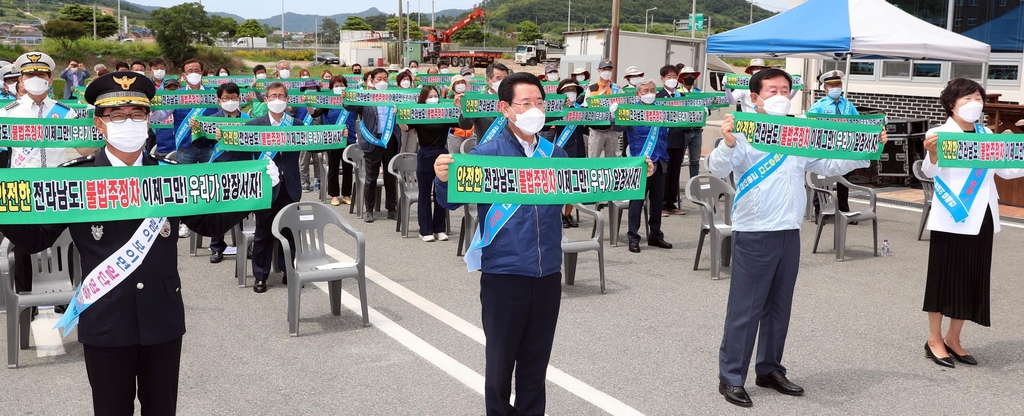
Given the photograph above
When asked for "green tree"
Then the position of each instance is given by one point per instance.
(529, 32)
(223, 27)
(64, 31)
(178, 27)
(415, 33)
(472, 34)
(329, 30)
(106, 25)
(354, 23)
(250, 29)
(378, 22)
(629, 27)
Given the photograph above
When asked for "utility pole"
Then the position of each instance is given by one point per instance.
(118, 19)
(94, 21)
(568, 18)
(316, 35)
(282, 24)
(751, 13)
(693, 20)
(431, 16)
(419, 12)
(408, 33)
(401, 46)
(614, 52)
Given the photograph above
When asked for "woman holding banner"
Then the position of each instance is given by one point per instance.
(432, 138)
(960, 250)
(571, 138)
(330, 117)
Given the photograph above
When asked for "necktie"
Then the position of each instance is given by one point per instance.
(42, 151)
(838, 112)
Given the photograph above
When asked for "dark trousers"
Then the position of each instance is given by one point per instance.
(519, 317)
(764, 271)
(675, 167)
(116, 373)
(377, 159)
(656, 194)
(22, 271)
(430, 222)
(694, 139)
(263, 241)
(334, 164)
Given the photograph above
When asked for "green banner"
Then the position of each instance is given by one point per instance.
(478, 85)
(697, 99)
(282, 139)
(290, 83)
(178, 99)
(100, 194)
(435, 79)
(50, 132)
(584, 117)
(809, 138)
(240, 80)
(606, 101)
(972, 150)
(441, 113)
(545, 181)
(379, 98)
(742, 81)
(659, 116)
(868, 119)
(208, 126)
(479, 105)
(550, 87)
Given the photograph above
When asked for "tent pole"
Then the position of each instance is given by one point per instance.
(846, 75)
(704, 82)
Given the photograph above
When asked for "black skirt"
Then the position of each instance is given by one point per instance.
(959, 274)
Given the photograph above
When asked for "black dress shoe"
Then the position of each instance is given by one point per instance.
(659, 243)
(966, 359)
(565, 221)
(216, 257)
(634, 247)
(392, 215)
(368, 217)
(944, 362)
(60, 308)
(736, 395)
(260, 286)
(778, 381)
(572, 221)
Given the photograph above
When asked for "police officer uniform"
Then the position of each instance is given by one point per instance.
(5, 70)
(132, 335)
(10, 77)
(27, 107)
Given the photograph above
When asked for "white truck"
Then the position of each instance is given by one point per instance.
(251, 43)
(540, 52)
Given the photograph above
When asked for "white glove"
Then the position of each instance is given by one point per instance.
(613, 107)
(275, 174)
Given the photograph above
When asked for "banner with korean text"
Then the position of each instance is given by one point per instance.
(987, 151)
(809, 138)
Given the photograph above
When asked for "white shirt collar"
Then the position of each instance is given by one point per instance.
(114, 161)
(528, 148)
(275, 123)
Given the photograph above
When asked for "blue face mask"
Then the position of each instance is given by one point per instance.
(835, 93)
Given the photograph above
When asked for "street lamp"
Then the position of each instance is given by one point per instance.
(645, 17)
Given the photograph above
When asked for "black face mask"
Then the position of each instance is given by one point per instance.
(688, 81)
(357, 71)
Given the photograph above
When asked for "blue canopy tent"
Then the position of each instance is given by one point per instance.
(1004, 33)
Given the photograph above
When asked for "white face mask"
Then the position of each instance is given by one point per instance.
(261, 76)
(495, 85)
(648, 98)
(460, 88)
(229, 106)
(433, 100)
(777, 105)
(129, 136)
(73, 70)
(467, 77)
(552, 76)
(223, 74)
(36, 85)
(971, 111)
(606, 75)
(12, 88)
(304, 77)
(405, 83)
(383, 85)
(159, 73)
(571, 95)
(339, 90)
(531, 121)
(414, 71)
(284, 73)
(143, 73)
(633, 81)
(194, 78)
(444, 70)
(327, 78)
(671, 83)
(755, 71)
(580, 78)
(277, 106)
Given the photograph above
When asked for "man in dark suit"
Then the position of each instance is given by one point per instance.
(289, 191)
(379, 154)
(131, 334)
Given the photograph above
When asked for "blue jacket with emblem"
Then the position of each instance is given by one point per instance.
(530, 244)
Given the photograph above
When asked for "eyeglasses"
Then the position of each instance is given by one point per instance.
(121, 117)
(278, 97)
(540, 104)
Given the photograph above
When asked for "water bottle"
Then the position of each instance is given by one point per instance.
(885, 248)
(316, 186)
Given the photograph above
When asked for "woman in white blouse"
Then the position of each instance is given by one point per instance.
(960, 251)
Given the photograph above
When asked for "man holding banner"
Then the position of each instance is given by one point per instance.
(767, 215)
(380, 141)
(132, 339)
(191, 151)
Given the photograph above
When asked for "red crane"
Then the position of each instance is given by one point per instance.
(445, 36)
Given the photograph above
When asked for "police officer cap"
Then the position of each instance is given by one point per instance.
(605, 63)
(5, 70)
(831, 76)
(120, 88)
(34, 62)
(4, 63)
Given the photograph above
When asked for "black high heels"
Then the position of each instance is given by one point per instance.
(944, 362)
(966, 359)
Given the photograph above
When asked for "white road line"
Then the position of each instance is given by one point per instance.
(887, 205)
(560, 378)
(48, 340)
